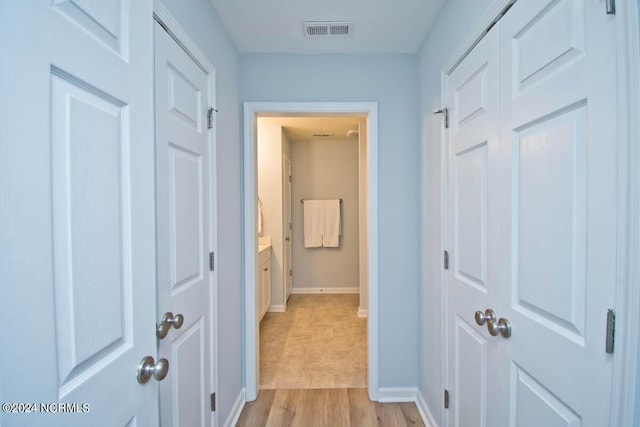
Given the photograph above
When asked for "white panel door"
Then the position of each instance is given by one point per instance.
(77, 171)
(184, 279)
(286, 200)
(473, 275)
(533, 218)
(558, 211)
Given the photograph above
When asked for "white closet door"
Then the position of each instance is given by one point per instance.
(184, 279)
(473, 233)
(77, 207)
(532, 218)
(557, 210)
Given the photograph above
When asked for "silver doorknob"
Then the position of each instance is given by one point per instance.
(502, 327)
(482, 318)
(168, 320)
(148, 368)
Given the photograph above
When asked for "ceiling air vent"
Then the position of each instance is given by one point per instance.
(324, 29)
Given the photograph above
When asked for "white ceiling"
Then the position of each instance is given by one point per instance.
(275, 26)
(303, 128)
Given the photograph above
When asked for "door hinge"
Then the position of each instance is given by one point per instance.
(444, 111)
(289, 178)
(446, 399)
(212, 261)
(611, 330)
(210, 117)
(611, 7)
(213, 402)
(290, 272)
(446, 260)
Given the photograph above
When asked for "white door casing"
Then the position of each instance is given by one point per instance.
(551, 257)
(287, 229)
(78, 271)
(183, 188)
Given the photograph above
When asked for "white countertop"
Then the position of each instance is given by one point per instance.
(263, 247)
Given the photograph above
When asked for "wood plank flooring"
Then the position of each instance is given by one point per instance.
(325, 408)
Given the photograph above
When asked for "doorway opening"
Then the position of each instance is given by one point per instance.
(312, 246)
(364, 115)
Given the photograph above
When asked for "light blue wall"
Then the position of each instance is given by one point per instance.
(455, 21)
(391, 81)
(201, 22)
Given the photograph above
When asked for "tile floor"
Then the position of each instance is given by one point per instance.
(319, 342)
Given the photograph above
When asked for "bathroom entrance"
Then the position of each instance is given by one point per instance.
(309, 244)
(313, 311)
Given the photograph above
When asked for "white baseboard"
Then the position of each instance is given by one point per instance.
(397, 394)
(425, 413)
(354, 290)
(236, 410)
(277, 309)
(363, 312)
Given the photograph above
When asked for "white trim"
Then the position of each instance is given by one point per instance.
(397, 394)
(475, 35)
(444, 236)
(625, 357)
(175, 30)
(425, 412)
(251, 332)
(236, 410)
(277, 309)
(303, 290)
(363, 312)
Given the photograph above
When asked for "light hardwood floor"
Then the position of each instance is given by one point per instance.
(319, 342)
(325, 408)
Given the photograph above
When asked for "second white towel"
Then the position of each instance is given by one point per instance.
(331, 233)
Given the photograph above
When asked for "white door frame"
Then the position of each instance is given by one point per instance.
(175, 30)
(628, 252)
(251, 111)
(288, 279)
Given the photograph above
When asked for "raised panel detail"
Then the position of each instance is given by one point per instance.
(471, 97)
(470, 372)
(534, 405)
(185, 99)
(187, 356)
(554, 38)
(91, 227)
(470, 189)
(185, 180)
(107, 21)
(549, 226)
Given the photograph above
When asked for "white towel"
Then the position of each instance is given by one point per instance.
(331, 214)
(313, 223)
